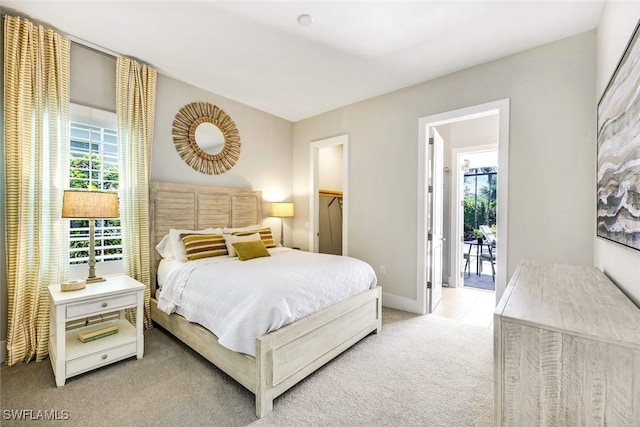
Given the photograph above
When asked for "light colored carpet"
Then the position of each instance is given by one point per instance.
(420, 371)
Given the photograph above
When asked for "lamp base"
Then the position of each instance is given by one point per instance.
(92, 278)
(282, 232)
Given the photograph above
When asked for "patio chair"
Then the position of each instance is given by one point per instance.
(490, 237)
(467, 265)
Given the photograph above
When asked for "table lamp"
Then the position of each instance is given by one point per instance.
(281, 210)
(91, 205)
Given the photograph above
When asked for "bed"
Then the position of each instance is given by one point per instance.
(283, 357)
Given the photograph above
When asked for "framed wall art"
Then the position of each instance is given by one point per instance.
(618, 174)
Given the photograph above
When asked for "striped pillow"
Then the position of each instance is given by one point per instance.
(199, 246)
(265, 236)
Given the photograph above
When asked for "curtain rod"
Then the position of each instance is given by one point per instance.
(75, 40)
(93, 47)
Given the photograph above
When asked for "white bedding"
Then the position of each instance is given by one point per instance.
(241, 300)
(166, 269)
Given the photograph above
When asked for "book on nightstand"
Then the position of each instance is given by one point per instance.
(99, 331)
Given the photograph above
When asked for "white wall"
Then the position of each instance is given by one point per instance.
(470, 133)
(330, 168)
(92, 78)
(551, 171)
(620, 263)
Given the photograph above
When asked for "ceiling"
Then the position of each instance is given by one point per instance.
(256, 53)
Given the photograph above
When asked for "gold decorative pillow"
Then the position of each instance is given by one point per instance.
(265, 235)
(230, 239)
(198, 246)
(250, 250)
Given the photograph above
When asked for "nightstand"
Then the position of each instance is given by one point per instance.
(69, 356)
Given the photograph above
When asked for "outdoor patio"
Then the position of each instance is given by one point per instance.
(482, 281)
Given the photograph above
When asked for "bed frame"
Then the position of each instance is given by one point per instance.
(283, 357)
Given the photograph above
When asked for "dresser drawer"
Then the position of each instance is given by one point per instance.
(95, 360)
(100, 305)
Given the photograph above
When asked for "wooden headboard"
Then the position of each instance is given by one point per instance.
(193, 207)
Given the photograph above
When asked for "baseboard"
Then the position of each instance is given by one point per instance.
(400, 303)
(3, 349)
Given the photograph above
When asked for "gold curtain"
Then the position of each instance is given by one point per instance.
(135, 95)
(36, 123)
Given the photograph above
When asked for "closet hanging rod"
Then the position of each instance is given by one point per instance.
(330, 193)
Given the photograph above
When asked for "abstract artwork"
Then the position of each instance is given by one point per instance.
(619, 151)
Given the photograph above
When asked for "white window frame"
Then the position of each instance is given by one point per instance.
(100, 124)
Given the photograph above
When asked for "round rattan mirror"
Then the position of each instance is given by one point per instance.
(209, 150)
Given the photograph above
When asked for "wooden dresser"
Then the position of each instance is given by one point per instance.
(567, 350)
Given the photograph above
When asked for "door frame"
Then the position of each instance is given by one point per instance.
(434, 156)
(501, 107)
(314, 199)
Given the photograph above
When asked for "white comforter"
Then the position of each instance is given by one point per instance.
(242, 300)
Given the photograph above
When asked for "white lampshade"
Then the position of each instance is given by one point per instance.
(89, 204)
(281, 209)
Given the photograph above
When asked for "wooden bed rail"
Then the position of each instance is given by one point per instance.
(286, 356)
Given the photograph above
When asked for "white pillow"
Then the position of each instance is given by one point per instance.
(228, 230)
(176, 241)
(230, 239)
(165, 248)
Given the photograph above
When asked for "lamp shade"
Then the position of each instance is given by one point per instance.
(89, 204)
(281, 209)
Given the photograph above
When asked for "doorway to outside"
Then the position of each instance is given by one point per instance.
(451, 267)
(479, 170)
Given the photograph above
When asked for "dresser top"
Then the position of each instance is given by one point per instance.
(580, 300)
(113, 285)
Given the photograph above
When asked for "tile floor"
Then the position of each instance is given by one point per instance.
(468, 305)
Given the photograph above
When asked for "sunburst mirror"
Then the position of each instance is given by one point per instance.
(206, 138)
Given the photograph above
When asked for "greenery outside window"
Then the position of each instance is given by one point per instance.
(480, 199)
(94, 165)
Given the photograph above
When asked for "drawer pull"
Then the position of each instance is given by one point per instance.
(92, 307)
(104, 356)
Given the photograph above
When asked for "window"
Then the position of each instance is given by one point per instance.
(93, 165)
(480, 192)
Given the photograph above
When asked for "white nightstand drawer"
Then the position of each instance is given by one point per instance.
(100, 305)
(96, 360)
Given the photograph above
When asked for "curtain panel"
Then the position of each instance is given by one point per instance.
(36, 123)
(135, 96)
